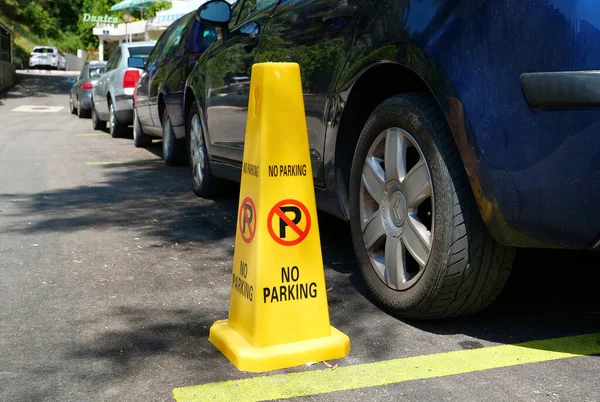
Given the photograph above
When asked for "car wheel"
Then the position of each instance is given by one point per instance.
(203, 182)
(71, 106)
(422, 246)
(140, 139)
(117, 129)
(173, 149)
(96, 122)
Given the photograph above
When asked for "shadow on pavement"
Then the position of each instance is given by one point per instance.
(37, 86)
(152, 197)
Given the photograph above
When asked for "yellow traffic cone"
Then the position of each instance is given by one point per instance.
(278, 313)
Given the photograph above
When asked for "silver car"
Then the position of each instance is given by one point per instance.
(112, 95)
(80, 99)
(47, 57)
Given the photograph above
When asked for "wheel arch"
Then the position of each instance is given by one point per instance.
(370, 88)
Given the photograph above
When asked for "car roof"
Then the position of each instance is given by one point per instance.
(136, 44)
(95, 65)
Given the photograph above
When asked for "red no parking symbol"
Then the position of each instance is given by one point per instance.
(247, 219)
(279, 222)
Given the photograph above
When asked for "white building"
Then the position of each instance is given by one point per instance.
(143, 30)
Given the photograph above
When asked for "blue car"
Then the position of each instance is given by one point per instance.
(447, 132)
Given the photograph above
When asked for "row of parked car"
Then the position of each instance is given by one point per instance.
(446, 133)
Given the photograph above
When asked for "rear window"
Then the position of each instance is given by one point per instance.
(95, 72)
(43, 50)
(140, 51)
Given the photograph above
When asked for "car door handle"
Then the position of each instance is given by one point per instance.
(339, 12)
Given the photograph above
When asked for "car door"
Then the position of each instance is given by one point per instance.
(165, 65)
(228, 72)
(316, 34)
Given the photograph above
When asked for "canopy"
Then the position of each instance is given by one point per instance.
(125, 4)
(178, 10)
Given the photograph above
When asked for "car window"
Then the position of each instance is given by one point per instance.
(95, 72)
(174, 38)
(113, 60)
(235, 13)
(201, 36)
(43, 50)
(140, 51)
(251, 7)
(160, 44)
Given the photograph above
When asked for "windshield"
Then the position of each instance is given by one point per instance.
(140, 51)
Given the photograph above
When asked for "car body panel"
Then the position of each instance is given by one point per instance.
(110, 85)
(534, 171)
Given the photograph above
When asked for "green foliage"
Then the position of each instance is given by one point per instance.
(156, 7)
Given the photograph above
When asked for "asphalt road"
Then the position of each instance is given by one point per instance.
(111, 275)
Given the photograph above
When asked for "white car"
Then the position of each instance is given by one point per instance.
(47, 57)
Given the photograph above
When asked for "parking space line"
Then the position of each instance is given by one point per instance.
(90, 135)
(290, 385)
(124, 162)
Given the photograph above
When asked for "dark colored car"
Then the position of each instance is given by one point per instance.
(159, 93)
(447, 132)
(80, 97)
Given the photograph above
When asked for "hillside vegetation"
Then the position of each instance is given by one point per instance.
(59, 22)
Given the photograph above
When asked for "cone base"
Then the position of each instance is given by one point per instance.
(246, 357)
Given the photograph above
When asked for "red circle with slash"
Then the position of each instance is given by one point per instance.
(300, 211)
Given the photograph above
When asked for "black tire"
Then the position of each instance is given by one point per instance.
(466, 268)
(117, 129)
(72, 107)
(205, 185)
(140, 139)
(97, 124)
(81, 112)
(174, 150)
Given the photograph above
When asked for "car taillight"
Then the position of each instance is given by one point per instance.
(87, 86)
(54, 56)
(131, 78)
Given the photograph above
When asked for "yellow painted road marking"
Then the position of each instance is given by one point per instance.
(391, 371)
(90, 135)
(123, 162)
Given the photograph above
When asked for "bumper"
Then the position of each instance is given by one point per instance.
(124, 108)
(85, 100)
(43, 64)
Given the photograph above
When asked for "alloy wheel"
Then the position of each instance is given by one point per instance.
(397, 208)
(111, 120)
(166, 140)
(197, 150)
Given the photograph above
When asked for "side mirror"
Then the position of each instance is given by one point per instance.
(136, 62)
(217, 12)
